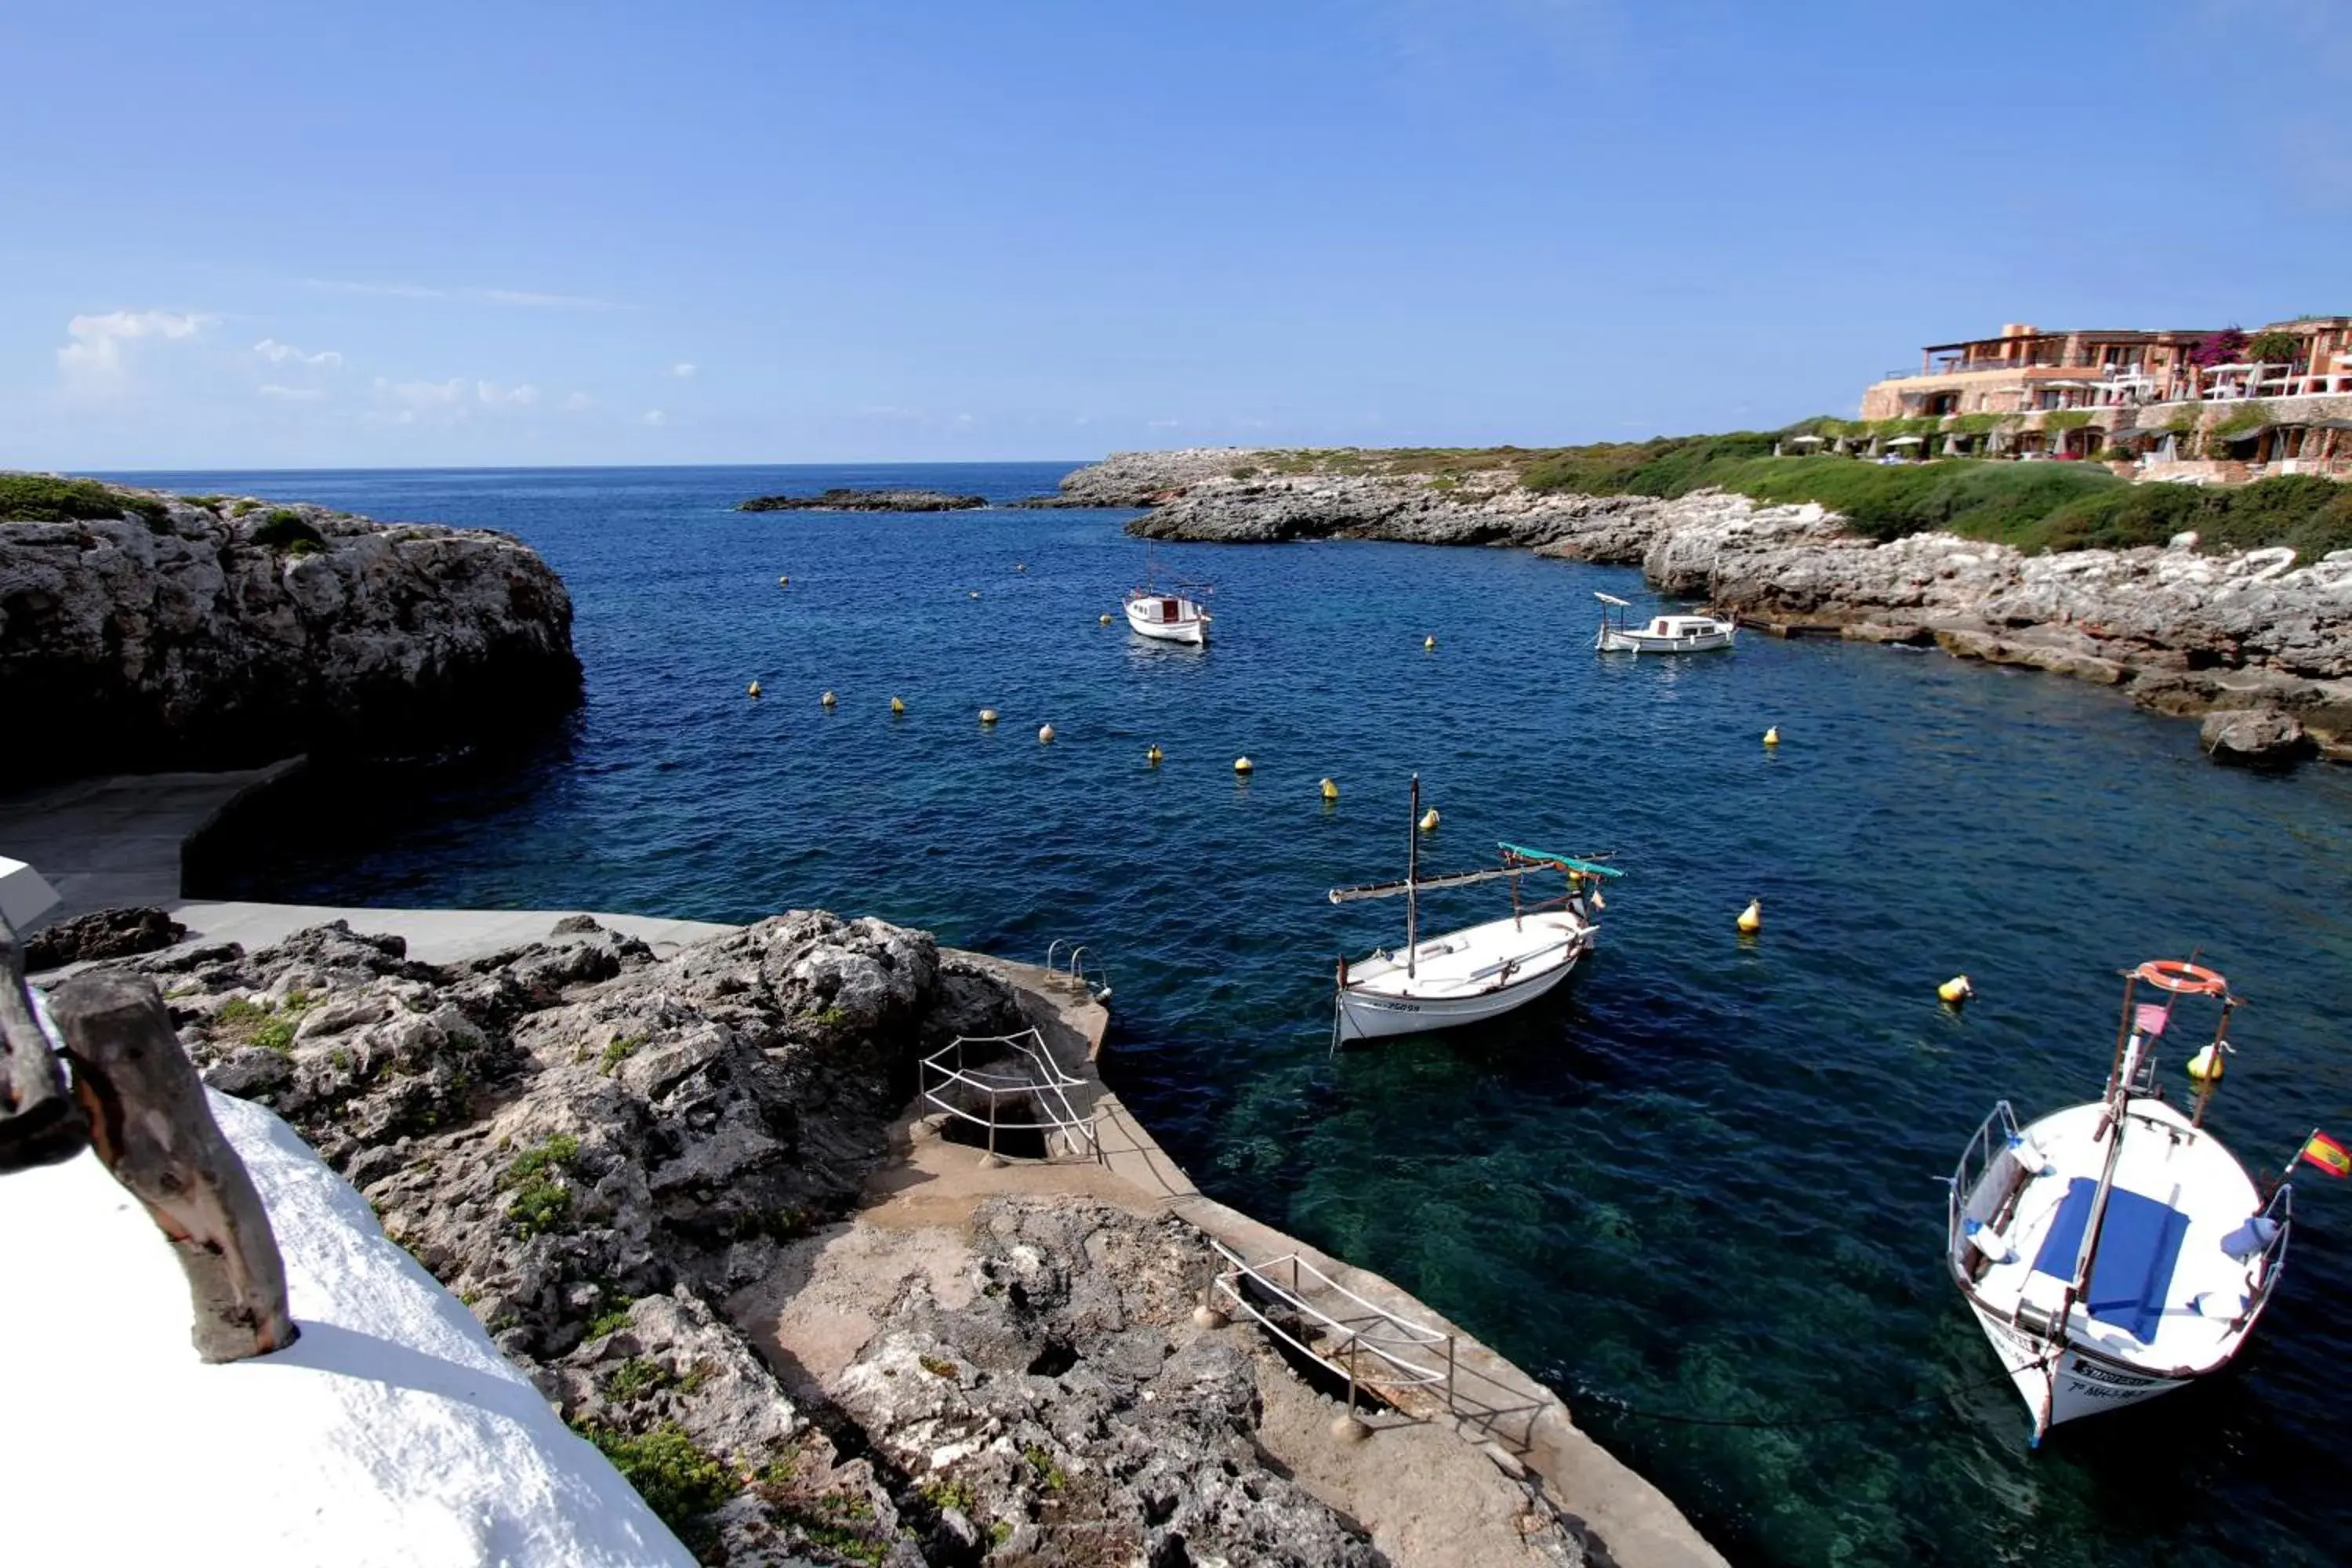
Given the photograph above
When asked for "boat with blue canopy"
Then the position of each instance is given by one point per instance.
(2116, 1250)
(1481, 971)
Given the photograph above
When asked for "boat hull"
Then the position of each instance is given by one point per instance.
(1615, 641)
(1387, 1003)
(1146, 617)
(2063, 1381)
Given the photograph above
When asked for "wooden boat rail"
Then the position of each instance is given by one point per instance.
(1402, 1354)
(1034, 1077)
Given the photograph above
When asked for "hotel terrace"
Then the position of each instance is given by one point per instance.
(2084, 394)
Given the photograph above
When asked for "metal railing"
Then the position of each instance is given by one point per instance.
(1096, 982)
(1401, 1353)
(1035, 1077)
(1995, 1136)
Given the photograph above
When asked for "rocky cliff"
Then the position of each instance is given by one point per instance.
(2183, 631)
(139, 628)
(597, 1150)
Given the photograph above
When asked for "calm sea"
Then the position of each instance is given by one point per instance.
(1701, 1181)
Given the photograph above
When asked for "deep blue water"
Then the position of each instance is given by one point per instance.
(1701, 1179)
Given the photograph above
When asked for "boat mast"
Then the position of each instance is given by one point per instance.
(1411, 871)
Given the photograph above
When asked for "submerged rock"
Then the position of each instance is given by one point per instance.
(216, 632)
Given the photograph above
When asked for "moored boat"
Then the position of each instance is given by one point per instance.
(1664, 633)
(2116, 1250)
(1479, 972)
(1172, 616)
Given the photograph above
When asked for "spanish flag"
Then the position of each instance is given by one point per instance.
(2328, 1155)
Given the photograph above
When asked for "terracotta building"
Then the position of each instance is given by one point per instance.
(2026, 369)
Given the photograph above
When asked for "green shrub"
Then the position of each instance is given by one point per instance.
(618, 1052)
(680, 1481)
(2302, 511)
(287, 528)
(636, 1378)
(36, 497)
(541, 1203)
(1995, 500)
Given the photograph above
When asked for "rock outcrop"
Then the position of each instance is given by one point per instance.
(866, 501)
(592, 1147)
(213, 632)
(2184, 632)
(102, 933)
(2254, 738)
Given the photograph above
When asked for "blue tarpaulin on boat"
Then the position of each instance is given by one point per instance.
(2139, 1245)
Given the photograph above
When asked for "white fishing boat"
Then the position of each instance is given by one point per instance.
(1474, 973)
(1171, 616)
(2116, 1250)
(1664, 633)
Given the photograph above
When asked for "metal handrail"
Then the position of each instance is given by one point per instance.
(2281, 1208)
(1975, 1159)
(1048, 1086)
(1378, 1332)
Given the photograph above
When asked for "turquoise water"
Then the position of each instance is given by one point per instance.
(1699, 1180)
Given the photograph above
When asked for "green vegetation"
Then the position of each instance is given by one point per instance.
(288, 529)
(617, 1052)
(2308, 514)
(1994, 500)
(636, 1378)
(958, 1495)
(609, 1322)
(680, 1481)
(542, 1202)
(1665, 466)
(257, 1021)
(2274, 348)
(1049, 1474)
(2243, 421)
(36, 497)
(936, 1367)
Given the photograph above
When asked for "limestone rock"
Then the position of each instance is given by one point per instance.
(102, 933)
(222, 633)
(2255, 738)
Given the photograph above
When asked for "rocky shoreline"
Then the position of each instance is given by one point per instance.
(610, 1157)
(143, 629)
(866, 501)
(2256, 637)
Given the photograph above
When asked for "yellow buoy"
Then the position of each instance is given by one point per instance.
(1045, 735)
(1154, 754)
(828, 700)
(1429, 820)
(988, 715)
(975, 593)
(1772, 736)
(2205, 1067)
(1330, 790)
(783, 582)
(1956, 990)
(755, 689)
(1020, 566)
(1751, 919)
(896, 706)
(1106, 620)
(1242, 764)
(1429, 645)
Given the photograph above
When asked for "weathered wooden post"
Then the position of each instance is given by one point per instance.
(39, 1122)
(153, 1129)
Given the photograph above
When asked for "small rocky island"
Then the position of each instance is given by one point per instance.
(845, 500)
(140, 628)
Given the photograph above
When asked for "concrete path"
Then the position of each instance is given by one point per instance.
(433, 936)
(115, 842)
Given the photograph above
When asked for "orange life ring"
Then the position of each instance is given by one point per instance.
(2190, 979)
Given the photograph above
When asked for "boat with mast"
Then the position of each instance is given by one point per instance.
(2116, 1250)
(1476, 973)
(1664, 633)
(1175, 615)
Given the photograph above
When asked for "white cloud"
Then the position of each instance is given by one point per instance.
(537, 301)
(683, 372)
(656, 416)
(276, 352)
(93, 361)
(497, 396)
(577, 402)
(291, 394)
(423, 394)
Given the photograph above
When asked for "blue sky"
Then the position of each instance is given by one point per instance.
(320, 236)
